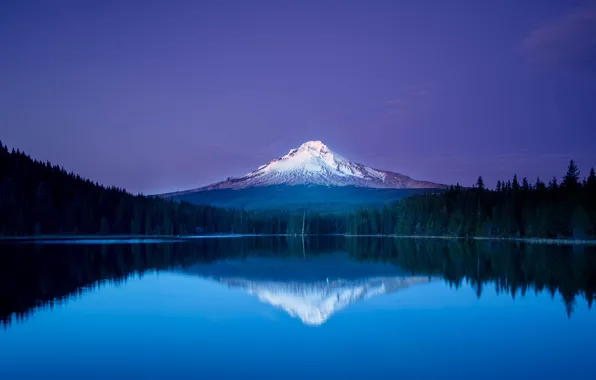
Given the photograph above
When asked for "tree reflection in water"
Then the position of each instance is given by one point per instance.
(37, 276)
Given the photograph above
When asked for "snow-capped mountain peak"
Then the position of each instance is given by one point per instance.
(314, 163)
(316, 146)
(309, 160)
(314, 149)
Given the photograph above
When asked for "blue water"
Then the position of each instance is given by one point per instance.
(203, 321)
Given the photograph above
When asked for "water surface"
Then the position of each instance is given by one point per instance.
(278, 308)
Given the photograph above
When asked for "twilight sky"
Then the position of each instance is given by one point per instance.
(158, 96)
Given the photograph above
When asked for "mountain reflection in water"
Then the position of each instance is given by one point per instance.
(311, 288)
(311, 281)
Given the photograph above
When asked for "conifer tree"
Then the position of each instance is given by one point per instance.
(591, 182)
(525, 185)
(571, 179)
(480, 183)
(515, 184)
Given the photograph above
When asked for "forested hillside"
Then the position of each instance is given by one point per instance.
(323, 199)
(38, 198)
(513, 209)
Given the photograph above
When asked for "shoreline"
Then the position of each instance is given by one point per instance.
(528, 240)
(106, 239)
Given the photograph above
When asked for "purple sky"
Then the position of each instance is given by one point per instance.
(170, 95)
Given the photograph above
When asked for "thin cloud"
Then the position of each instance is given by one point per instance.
(568, 42)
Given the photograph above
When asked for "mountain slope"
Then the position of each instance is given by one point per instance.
(319, 198)
(310, 177)
(313, 163)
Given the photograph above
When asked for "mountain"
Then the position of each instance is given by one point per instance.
(313, 163)
(312, 288)
(312, 177)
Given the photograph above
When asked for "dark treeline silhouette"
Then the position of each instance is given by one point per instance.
(513, 209)
(38, 198)
(40, 276)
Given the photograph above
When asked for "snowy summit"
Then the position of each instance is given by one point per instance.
(314, 163)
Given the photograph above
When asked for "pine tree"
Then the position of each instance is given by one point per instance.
(591, 182)
(553, 184)
(480, 183)
(515, 184)
(525, 185)
(571, 179)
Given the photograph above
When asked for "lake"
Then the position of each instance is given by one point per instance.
(284, 308)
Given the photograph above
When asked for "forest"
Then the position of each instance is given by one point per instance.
(38, 198)
(513, 209)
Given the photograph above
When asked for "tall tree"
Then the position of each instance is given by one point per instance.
(480, 183)
(525, 185)
(515, 184)
(591, 182)
(553, 184)
(571, 179)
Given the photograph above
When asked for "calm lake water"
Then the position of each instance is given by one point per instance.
(287, 309)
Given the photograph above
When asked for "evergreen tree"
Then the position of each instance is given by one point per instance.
(571, 179)
(591, 182)
(515, 184)
(525, 185)
(480, 183)
(553, 184)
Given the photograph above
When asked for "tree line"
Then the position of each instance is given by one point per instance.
(512, 209)
(38, 198)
